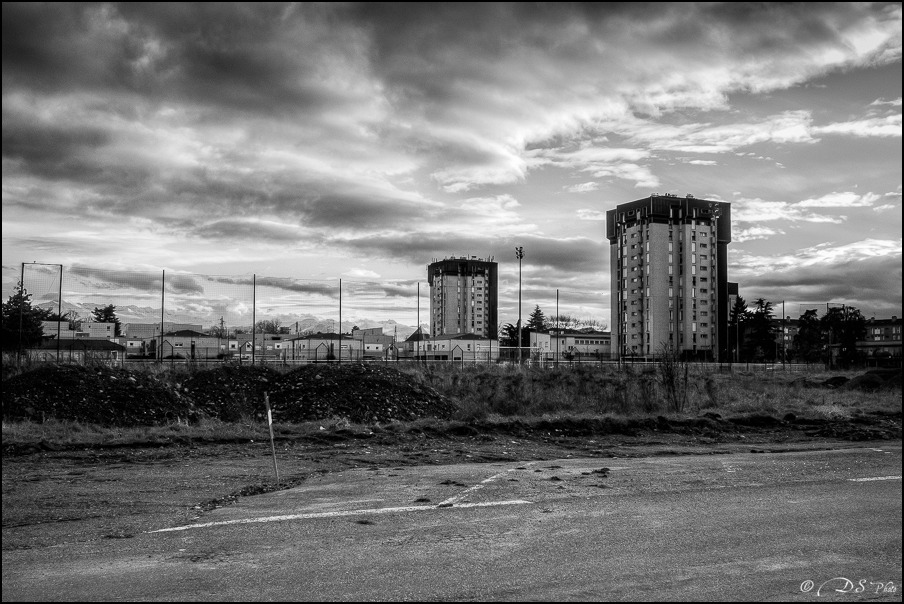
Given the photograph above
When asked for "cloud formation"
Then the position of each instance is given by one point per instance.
(333, 136)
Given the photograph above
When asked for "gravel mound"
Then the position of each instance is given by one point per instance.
(122, 397)
(97, 395)
(230, 392)
(319, 391)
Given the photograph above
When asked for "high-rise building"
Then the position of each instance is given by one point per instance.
(463, 296)
(669, 263)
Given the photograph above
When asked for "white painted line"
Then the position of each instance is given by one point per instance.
(370, 512)
(455, 498)
(876, 478)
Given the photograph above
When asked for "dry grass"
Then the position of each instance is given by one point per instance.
(492, 392)
(639, 391)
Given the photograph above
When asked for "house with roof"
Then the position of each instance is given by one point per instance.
(86, 329)
(185, 344)
(324, 347)
(571, 345)
(449, 347)
(375, 345)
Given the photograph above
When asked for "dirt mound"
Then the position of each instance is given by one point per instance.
(361, 393)
(875, 379)
(231, 392)
(120, 397)
(99, 395)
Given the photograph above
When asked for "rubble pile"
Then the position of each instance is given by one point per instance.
(230, 392)
(122, 397)
(97, 395)
(360, 393)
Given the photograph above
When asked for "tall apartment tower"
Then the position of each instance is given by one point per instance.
(463, 296)
(669, 263)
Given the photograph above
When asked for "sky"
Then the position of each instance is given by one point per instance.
(307, 143)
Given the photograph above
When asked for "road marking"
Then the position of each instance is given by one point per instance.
(456, 498)
(370, 512)
(452, 500)
(875, 478)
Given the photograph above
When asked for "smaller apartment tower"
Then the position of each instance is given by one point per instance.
(463, 296)
(668, 257)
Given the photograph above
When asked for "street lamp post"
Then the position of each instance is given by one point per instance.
(519, 253)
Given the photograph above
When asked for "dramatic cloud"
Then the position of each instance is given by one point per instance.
(363, 139)
(758, 210)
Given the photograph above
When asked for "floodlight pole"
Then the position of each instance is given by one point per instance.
(519, 253)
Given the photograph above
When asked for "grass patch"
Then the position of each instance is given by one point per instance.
(504, 394)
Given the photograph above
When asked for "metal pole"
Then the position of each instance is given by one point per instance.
(162, 302)
(557, 327)
(418, 338)
(340, 321)
(60, 313)
(21, 311)
(519, 253)
(272, 444)
(253, 317)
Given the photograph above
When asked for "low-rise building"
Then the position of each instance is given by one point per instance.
(323, 347)
(375, 344)
(145, 331)
(77, 350)
(571, 345)
(450, 347)
(86, 329)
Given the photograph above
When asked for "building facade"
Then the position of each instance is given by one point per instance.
(669, 267)
(466, 347)
(569, 345)
(463, 296)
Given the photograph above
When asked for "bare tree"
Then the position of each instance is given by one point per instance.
(673, 375)
(268, 326)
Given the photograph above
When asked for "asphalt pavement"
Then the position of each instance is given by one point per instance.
(799, 524)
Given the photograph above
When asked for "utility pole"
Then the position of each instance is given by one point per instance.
(519, 253)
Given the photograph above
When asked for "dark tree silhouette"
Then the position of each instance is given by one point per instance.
(844, 327)
(809, 342)
(537, 321)
(107, 314)
(22, 321)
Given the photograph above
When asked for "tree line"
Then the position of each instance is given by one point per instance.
(539, 322)
(752, 335)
